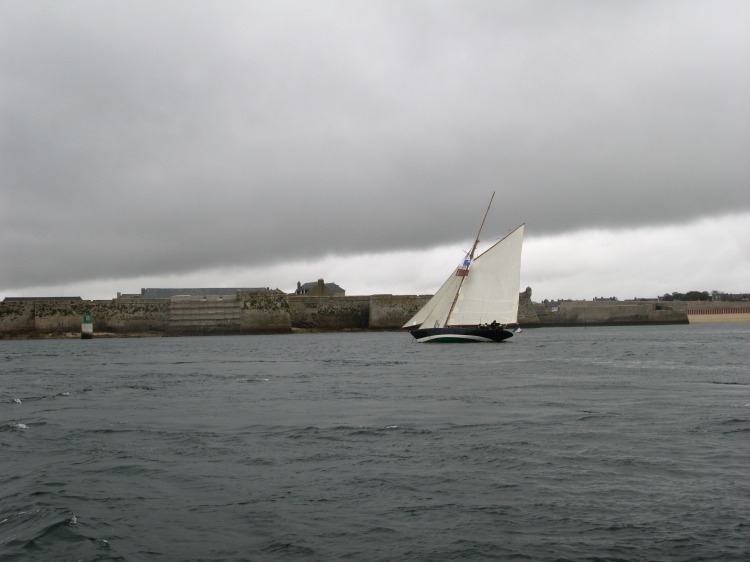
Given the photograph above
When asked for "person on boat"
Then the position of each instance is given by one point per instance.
(494, 325)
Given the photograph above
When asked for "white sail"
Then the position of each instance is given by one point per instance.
(489, 291)
(435, 311)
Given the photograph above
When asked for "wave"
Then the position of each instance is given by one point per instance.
(44, 532)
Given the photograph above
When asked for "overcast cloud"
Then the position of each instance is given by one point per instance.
(222, 143)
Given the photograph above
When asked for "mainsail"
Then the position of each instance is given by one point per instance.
(482, 292)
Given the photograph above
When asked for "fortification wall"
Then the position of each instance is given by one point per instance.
(63, 317)
(390, 312)
(55, 317)
(264, 312)
(589, 313)
(248, 312)
(329, 313)
(202, 316)
(578, 313)
(276, 312)
(713, 306)
(130, 317)
(527, 316)
(16, 318)
(545, 315)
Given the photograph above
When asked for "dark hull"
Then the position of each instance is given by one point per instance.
(460, 335)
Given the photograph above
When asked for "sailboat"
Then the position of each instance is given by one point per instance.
(479, 301)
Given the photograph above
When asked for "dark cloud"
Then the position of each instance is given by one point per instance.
(141, 138)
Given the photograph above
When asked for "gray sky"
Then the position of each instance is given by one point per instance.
(222, 143)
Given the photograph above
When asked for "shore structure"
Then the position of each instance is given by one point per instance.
(264, 310)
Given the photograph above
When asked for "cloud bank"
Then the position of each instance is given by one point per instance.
(704, 255)
(142, 140)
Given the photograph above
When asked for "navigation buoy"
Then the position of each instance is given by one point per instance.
(87, 328)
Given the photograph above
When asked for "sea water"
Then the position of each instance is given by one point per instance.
(628, 443)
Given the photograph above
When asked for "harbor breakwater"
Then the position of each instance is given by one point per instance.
(271, 312)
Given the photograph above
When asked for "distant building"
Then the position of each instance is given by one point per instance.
(28, 299)
(731, 296)
(192, 292)
(319, 289)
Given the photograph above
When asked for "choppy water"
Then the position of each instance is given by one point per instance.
(578, 444)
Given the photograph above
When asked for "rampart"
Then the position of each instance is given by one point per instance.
(593, 313)
(270, 312)
(264, 313)
(329, 313)
(391, 311)
(49, 318)
(245, 313)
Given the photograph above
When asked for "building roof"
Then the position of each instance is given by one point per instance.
(164, 293)
(22, 299)
(311, 285)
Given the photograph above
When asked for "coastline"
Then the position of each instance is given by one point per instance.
(277, 313)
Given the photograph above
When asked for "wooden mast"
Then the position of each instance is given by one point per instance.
(481, 226)
(471, 257)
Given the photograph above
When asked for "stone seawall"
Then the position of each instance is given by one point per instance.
(590, 313)
(250, 313)
(593, 313)
(393, 311)
(41, 318)
(264, 313)
(203, 316)
(247, 313)
(329, 313)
